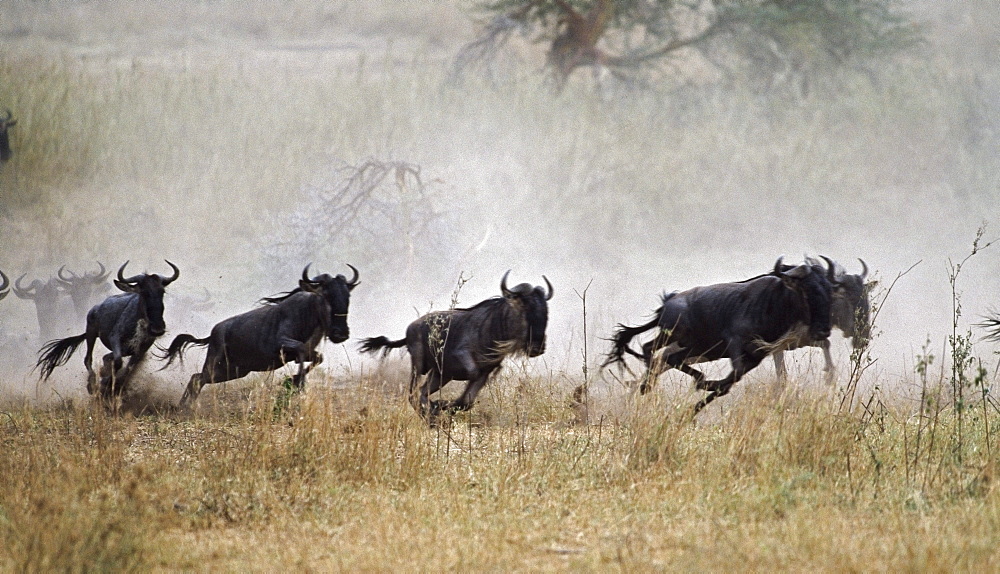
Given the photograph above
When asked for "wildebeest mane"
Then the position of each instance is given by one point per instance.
(485, 303)
(275, 299)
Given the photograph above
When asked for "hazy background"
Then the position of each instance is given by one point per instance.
(214, 134)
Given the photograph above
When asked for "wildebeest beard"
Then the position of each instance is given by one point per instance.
(140, 334)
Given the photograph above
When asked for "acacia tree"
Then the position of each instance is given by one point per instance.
(628, 37)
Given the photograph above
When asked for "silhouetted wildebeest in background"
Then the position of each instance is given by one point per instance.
(189, 311)
(3, 287)
(86, 290)
(742, 322)
(287, 328)
(850, 312)
(469, 344)
(126, 323)
(46, 296)
(5, 124)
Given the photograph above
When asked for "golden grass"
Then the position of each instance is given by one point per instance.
(350, 479)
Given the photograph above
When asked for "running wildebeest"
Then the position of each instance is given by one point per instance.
(469, 344)
(5, 124)
(126, 323)
(46, 296)
(86, 290)
(3, 287)
(850, 312)
(742, 322)
(287, 328)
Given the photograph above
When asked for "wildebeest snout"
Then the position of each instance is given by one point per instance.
(536, 349)
(340, 335)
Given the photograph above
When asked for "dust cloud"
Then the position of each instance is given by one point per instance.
(218, 135)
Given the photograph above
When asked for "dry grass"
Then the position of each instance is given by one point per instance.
(350, 479)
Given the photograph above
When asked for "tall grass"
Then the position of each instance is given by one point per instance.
(354, 479)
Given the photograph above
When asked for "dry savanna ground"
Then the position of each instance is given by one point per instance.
(351, 479)
(220, 134)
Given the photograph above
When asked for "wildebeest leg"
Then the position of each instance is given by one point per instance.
(673, 357)
(779, 366)
(133, 361)
(656, 364)
(117, 376)
(293, 348)
(193, 389)
(741, 365)
(213, 371)
(468, 397)
(88, 361)
(432, 384)
(828, 367)
(107, 373)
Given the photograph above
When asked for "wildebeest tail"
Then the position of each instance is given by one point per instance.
(623, 335)
(177, 347)
(374, 344)
(991, 324)
(57, 352)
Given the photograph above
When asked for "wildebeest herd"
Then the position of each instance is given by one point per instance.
(745, 321)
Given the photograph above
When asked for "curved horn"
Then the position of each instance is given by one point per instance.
(305, 274)
(353, 281)
(67, 280)
(102, 274)
(131, 279)
(6, 281)
(177, 273)
(23, 292)
(831, 270)
(777, 266)
(864, 269)
(503, 285)
(551, 290)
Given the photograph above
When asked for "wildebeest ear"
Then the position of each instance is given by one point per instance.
(126, 287)
(310, 287)
(798, 272)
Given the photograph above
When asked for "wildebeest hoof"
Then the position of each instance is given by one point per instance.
(438, 407)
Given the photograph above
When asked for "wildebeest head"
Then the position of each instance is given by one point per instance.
(5, 124)
(851, 305)
(531, 303)
(3, 287)
(337, 293)
(85, 289)
(41, 292)
(150, 288)
(816, 286)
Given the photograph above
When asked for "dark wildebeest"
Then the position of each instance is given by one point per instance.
(742, 322)
(470, 344)
(287, 328)
(126, 323)
(86, 290)
(46, 295)
(5, 124)
(850, 312)
(3, 287)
